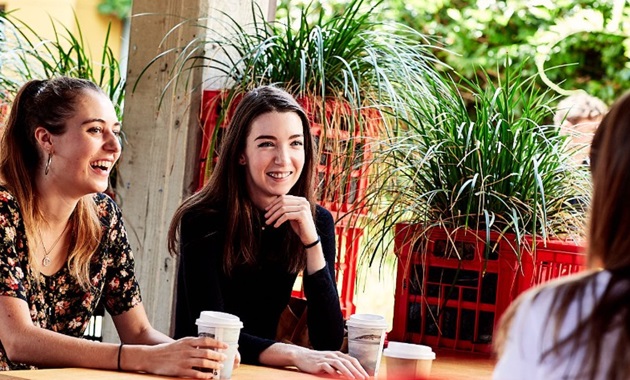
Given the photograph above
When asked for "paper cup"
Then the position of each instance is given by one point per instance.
(366, 335)
(225, 328)
(409, 361)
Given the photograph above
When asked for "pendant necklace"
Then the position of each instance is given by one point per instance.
(46, 259)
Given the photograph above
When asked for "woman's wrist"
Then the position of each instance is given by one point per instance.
(132, 358)
(313, 243)
(120, 348)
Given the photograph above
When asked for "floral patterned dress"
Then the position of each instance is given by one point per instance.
(58, 302)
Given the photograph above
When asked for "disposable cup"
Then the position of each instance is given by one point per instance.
(225, 328)
(366, 335)
(408, 361)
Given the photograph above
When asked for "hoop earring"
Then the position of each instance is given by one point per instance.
(47, 168)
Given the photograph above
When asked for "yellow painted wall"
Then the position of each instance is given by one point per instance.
(37, 13)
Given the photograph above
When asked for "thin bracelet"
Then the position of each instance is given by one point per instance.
(307, 246)
(119, 354)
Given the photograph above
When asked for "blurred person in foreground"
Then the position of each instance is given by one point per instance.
(64, 247)
(578, 327)
(254, 226)
(578, 116)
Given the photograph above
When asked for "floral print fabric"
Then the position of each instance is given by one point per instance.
(58, 302)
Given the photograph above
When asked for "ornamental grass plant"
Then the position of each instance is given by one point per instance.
(481, 158)
(345, 60)
(26, 55)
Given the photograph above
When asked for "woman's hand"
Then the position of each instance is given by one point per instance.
(187, 357)
(330, 362)
(297, 211)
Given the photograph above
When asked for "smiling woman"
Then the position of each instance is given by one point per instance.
(273, 156)
(245, 236)
(64, 246)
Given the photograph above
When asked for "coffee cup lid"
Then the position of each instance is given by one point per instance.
(367, 320)
(218, 319)
(408, 351)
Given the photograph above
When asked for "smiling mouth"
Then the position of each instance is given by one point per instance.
(101, 165)
(279, 175)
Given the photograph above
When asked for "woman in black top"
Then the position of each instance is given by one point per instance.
(245, 236)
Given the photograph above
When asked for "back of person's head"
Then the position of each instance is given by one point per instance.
(609, 229)
(579, 108)
(601, 330)
(46, 103)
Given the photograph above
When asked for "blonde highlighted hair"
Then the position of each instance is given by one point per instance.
(47, 103)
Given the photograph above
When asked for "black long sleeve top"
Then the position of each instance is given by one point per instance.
(258, 293)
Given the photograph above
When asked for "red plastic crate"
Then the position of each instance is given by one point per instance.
(454, 298)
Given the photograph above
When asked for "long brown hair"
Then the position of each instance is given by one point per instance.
(226, 190)
(47, 103)
(608, 246)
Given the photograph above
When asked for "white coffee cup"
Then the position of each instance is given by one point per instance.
(406, 360)
(225, 328)
(366, 335)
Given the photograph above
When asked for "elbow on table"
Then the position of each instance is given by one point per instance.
(14, 349)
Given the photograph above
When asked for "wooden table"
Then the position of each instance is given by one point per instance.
(448, 366)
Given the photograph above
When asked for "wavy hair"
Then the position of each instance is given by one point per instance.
(47, 103)
(226, 189)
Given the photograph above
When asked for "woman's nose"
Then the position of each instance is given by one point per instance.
(282, 156)
(113, 142)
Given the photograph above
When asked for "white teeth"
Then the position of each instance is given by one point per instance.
(279, 175)
(102, 164)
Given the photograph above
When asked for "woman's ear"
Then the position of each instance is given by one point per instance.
(44, 139)
(242, 160)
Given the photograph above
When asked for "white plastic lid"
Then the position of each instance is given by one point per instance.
(367, 320)
(218, 319)
(409, 351)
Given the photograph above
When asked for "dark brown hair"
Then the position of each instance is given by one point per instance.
(49, 104)
(226, 190)
(609, 247)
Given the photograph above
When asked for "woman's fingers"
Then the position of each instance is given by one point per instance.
(237, 359)
(348, 367)
(207, 342)
(332, 362)
(296, 210)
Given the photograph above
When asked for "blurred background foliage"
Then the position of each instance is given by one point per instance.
(118, 8)
(579, 44)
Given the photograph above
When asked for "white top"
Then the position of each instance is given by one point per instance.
(531, 334)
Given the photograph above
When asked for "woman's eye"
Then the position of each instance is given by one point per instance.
(265, 144)
(95, 130)
(297, 143)
(117, 133)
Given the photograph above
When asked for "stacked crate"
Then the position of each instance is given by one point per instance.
(453, 286)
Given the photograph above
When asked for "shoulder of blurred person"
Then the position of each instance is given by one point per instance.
(530, 330)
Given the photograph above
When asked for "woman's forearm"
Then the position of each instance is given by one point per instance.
(281, 355)
(44, 348)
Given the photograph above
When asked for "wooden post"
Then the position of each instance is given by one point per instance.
(159, 150)
(159, 161)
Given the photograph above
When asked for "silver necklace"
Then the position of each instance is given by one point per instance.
(46, 259)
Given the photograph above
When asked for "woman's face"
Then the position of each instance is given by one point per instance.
(85, 153)
(273, 157)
